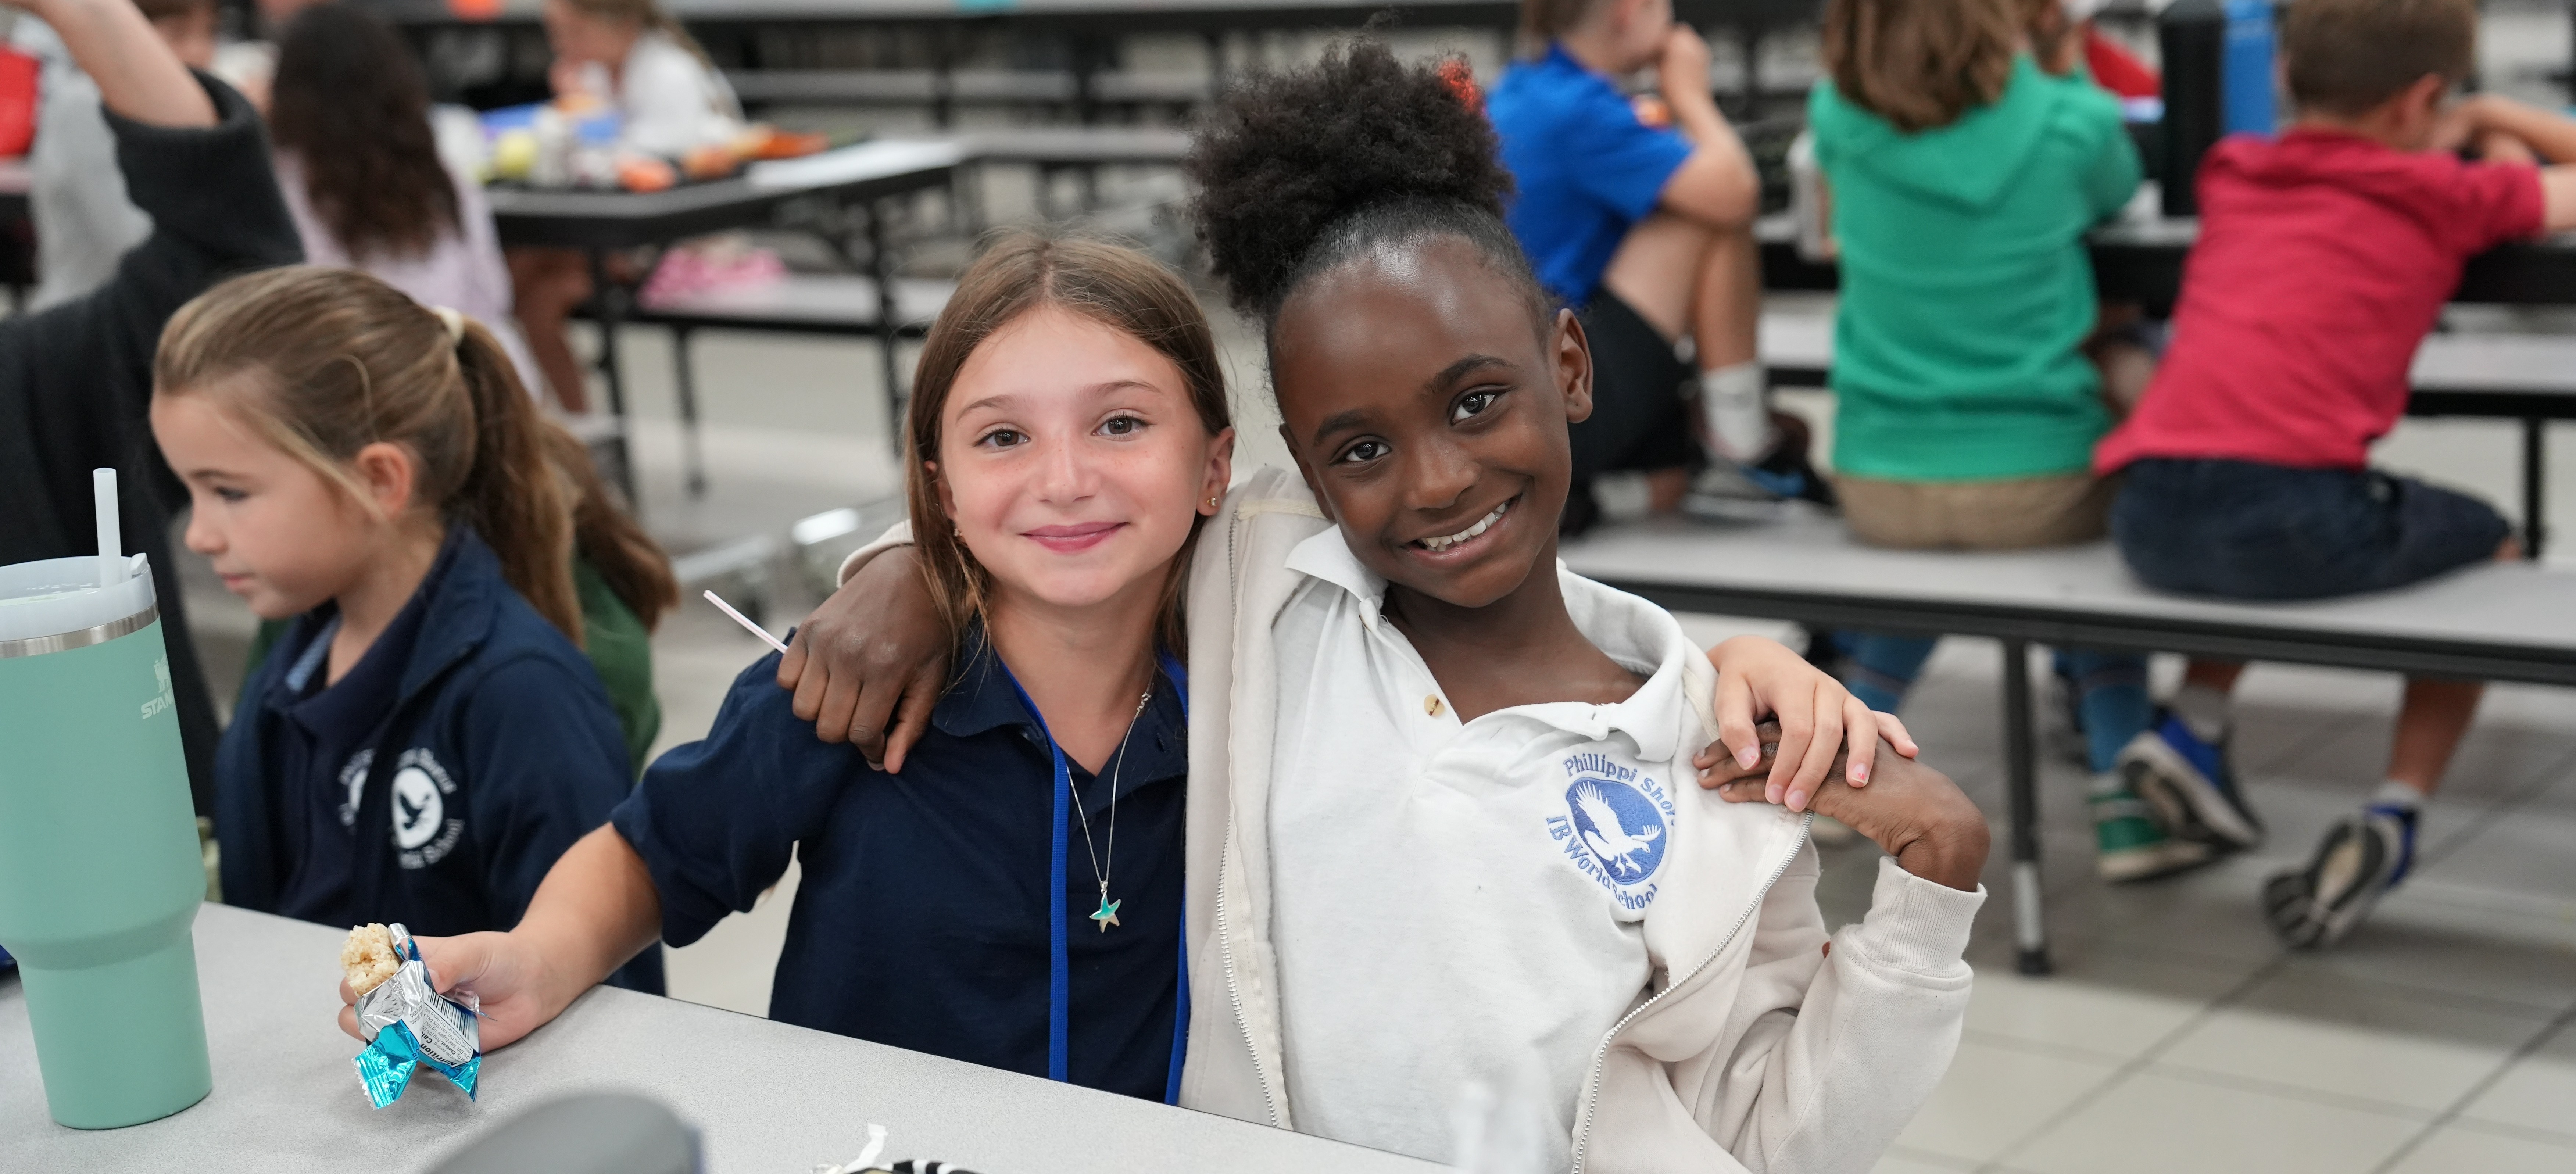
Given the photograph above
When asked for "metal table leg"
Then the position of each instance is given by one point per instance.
(686, 378)
(2535, 484)
(610, 298)
(2021, 781)
(889, 322)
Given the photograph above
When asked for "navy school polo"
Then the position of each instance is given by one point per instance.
(922, 918)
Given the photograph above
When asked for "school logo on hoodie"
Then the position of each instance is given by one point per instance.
(1616, 825)
(423, 830)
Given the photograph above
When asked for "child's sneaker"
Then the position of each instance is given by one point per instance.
(2129, 845)
(2361, 858)
(2189, 783)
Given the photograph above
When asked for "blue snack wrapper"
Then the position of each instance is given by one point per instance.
(409, 1025)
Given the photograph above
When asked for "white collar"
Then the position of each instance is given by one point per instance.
(1326, 556)
(1629, 630)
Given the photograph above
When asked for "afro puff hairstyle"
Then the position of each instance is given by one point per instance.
(1300, 170)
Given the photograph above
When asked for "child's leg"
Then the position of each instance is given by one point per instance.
(547, 285)
(2366, 854)
(2429, 727)
(1705, 284)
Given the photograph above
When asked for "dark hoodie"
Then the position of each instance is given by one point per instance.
(483, 748)
(76, 380)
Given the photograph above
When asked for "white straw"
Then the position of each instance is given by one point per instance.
(745, 621)
(111, 538)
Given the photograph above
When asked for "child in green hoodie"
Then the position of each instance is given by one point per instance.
(1963, 175)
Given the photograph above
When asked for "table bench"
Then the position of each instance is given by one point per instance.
(764, 1096)
(2526, 378)
(799, 303)
(2504, 622)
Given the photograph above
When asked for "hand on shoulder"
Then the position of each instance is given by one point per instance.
(1911, 811)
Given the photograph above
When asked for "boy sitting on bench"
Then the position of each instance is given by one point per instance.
(2325, 257)
(1640, 218)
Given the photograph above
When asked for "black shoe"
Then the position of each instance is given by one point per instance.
(2361, 858)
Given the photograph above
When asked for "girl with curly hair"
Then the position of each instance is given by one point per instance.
(1438, 837)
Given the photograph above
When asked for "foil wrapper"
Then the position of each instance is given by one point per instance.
(408, 1025)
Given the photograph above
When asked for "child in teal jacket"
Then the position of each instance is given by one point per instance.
(1967, 409)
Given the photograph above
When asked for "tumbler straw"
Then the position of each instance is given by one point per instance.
(111, 540)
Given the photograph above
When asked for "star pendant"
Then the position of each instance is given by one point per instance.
(1108, 915)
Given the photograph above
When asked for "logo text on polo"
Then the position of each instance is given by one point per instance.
(1616, 827)
(424, 831)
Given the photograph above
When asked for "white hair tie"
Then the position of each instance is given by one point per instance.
(455, 323)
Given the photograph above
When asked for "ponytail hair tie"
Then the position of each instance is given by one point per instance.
(454, 321)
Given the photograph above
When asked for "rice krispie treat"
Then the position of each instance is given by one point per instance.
(368, 957)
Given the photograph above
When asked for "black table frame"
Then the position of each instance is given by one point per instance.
(2020, 626)
(601, 223)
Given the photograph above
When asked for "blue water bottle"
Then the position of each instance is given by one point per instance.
(2246, 81)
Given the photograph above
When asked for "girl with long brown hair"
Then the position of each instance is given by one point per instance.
(1013, 896)
(359, 166)
(425, 738)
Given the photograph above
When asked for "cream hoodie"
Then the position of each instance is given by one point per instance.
(1765, 1050)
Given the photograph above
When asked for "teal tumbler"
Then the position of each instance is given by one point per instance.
(100, 872)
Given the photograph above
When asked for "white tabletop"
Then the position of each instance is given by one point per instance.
(2519, 605)
(767, 1098)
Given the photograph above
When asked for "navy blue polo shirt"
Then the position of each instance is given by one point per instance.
(1584, 168)
(922, 917)
(325, 744)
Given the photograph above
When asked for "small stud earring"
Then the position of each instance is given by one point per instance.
(1211, 503)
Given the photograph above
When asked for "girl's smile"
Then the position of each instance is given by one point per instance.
(1075, 538)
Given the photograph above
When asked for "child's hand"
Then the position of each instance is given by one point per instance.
(1683, 67)
(868, 666)
(502, 972)
(1758, 678)
(1913, 812)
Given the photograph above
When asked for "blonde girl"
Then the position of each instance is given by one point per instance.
(426, 737)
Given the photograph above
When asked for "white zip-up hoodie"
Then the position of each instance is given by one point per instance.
(1758, 1047)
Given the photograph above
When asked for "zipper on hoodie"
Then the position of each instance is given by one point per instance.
(1225, 949)
(1592, 1085)
(1225, 865)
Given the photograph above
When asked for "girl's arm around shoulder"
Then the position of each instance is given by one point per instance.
(1813, 726)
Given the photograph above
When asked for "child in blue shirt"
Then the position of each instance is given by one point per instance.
(426, 738)
(1644, 225)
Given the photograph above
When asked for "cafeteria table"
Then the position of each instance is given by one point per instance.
(820, 193)
(767, 1098)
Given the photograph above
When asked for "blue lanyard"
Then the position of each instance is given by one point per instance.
(1059, 959)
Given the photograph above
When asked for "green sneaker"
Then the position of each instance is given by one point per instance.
(2130, 845)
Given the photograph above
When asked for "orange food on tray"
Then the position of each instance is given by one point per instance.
(644, 173)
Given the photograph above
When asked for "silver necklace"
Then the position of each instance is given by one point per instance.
(1108, 913)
